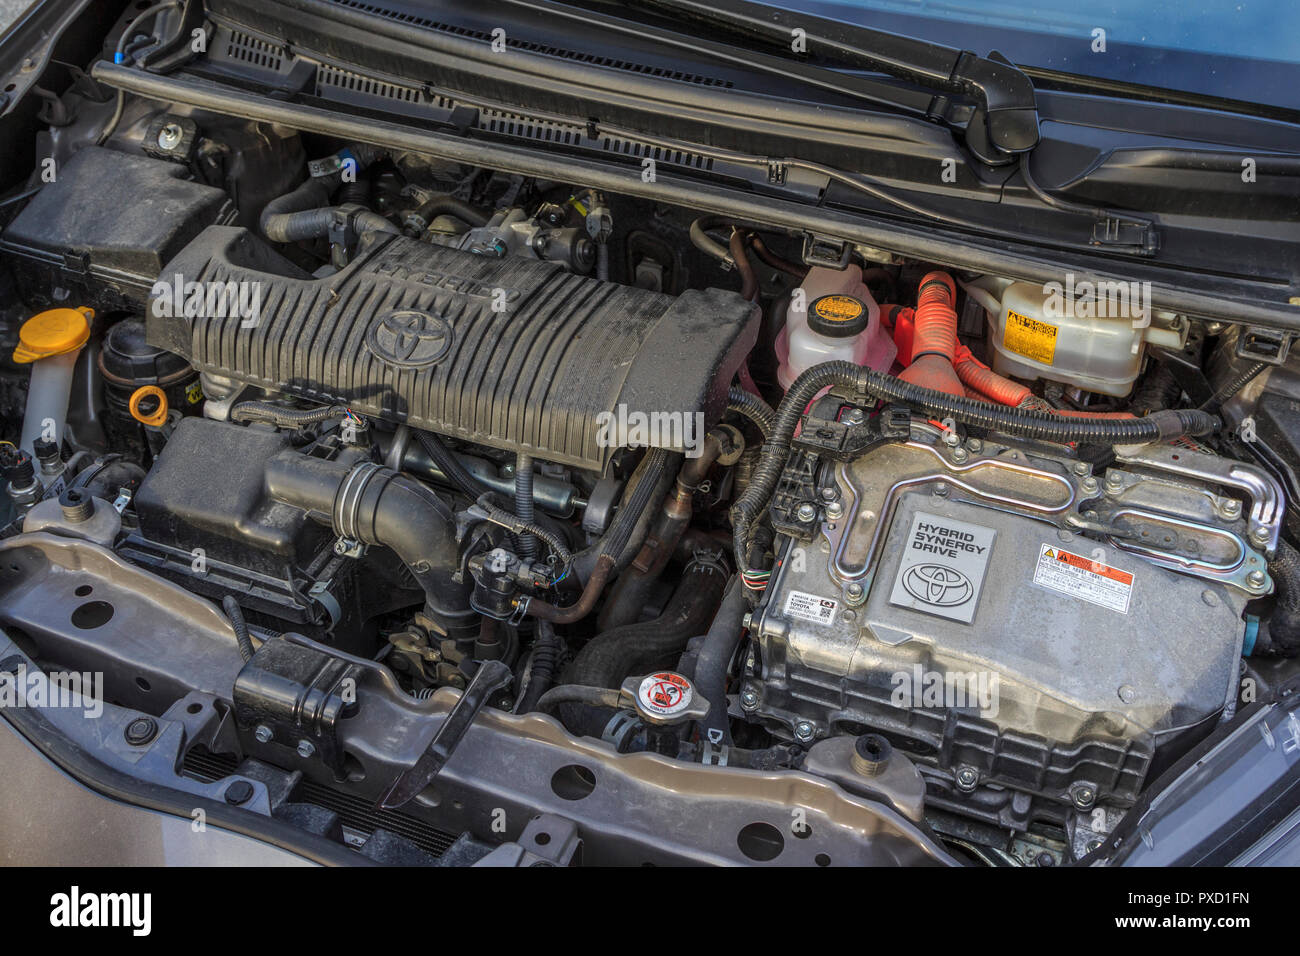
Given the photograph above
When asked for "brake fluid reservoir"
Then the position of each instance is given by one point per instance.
(1096, 343)
(838, 321)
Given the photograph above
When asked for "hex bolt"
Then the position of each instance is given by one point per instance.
(239, 793)
(1230, 508)
(941, 490)
(306, 748)
(1045, 859)
(1083, 796)
(1093, 846)
(1259, 535)
(855, 594)
(959, 454)
(834, 510)
(1088, 484)
(1256, 579)
(806, 512)
(967, 778)
(1114, 482)
(805, 730)
(263, 734)
(749, 698)
(830, 493)
(140, 731)
(854, 416)
(1081, 468)
(975, 445)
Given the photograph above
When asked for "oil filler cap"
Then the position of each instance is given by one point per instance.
(54, 332)
(838, 316)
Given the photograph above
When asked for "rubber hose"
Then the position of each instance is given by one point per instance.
(542, 669)
(611, 656)
(450, 465)
(750, 406)
(1027, 423)
(716, 652)
(450, 206)
(578, 694)
(748, 277)
(236, 615)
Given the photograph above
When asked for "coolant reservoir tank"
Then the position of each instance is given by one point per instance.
(832, 317)
(1088, 336)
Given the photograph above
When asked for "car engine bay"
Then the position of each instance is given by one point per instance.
(432, 509)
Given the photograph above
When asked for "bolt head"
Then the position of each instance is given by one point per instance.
(967, 778)
(140, 731)
(749, 698)
(1083, 796)
(263, 734)
(1230, 508)
(1256, 579)
(805, 730)
(239, 793)
(830, 493)
(306, 748)
(1088, 484)
(1259, 535)
(959, 454)
(806, 512)
(170, 136)
(1081, 468)
(834, 510)
(854, 416)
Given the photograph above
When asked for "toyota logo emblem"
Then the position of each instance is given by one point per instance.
(938, 585)
(409, 338)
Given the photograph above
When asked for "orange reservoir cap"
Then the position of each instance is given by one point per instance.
(54, 332)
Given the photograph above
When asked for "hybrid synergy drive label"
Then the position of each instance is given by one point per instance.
(943, 567)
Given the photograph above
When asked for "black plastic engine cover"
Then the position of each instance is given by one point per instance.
(513, 353)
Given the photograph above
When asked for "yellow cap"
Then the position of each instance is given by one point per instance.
(53, 333)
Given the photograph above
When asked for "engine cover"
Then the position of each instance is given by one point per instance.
(512, 353)
(1006, 616)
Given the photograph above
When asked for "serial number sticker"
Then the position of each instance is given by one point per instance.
(1083, 578)
(811, 607)
(1031, 338)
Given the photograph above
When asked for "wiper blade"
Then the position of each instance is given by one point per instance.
(1002, 123)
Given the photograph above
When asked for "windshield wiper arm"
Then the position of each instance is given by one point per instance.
(1002, 123)
(1004, 93)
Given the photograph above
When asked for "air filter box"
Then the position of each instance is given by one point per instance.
(106, 225)
(512, 353)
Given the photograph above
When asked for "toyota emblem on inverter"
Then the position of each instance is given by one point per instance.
(409, 338)
(938, 585)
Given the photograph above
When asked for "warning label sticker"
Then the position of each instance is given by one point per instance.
(1031, 338)
(811, 607)
(1083, 578)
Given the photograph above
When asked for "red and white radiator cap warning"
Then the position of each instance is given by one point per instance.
(664, 695)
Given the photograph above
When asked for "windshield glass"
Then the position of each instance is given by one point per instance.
(1238, 49)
